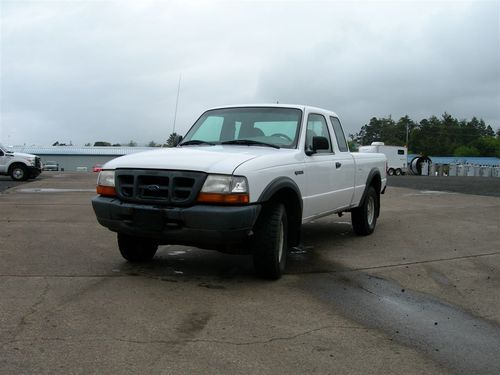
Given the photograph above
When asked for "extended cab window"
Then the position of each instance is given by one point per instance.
(339, 134)
(316, 127)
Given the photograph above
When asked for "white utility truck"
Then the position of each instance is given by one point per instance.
(19, 166)
(397, 156)
(243, 178)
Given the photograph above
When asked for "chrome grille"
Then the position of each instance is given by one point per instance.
(175, 188)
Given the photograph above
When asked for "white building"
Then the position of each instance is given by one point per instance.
(73, 158)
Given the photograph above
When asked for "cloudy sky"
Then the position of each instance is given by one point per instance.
(84, 71)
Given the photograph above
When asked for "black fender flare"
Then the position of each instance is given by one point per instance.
(295, 220)
(374, 173)
(278, 184)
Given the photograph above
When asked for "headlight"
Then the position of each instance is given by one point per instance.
(224, 189)
(106, 183)
(31, 160)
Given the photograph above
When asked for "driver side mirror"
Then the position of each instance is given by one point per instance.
(318, 143)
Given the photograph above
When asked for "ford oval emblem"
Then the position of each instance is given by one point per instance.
(153, 188)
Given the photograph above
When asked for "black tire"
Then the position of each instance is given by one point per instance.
(364, 217)
(269, 242)
(398, 172)
(136, 249)
(18, 172)
(390, 172)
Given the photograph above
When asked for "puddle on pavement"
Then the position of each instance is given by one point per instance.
(451, 336)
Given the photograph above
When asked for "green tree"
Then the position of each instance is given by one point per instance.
(132, 144)
(466, 151)
(488, 146)
(171, 139)
(152, 144)
(101, 144)
(436, 136)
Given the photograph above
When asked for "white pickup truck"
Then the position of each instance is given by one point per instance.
(243, 178)
(19, 166)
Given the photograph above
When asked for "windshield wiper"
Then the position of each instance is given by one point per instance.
(196, 142)
(248, 142)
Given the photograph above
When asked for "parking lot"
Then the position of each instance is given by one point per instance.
(420, 295)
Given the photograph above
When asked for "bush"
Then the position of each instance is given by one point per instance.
(466, 151)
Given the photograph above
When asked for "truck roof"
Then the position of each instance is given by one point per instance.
(274, 105)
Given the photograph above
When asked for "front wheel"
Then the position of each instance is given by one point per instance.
(19, 173)
(136, 249)
(270, 242)
(364, 217)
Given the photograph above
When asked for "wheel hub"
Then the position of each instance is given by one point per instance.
(370, 210)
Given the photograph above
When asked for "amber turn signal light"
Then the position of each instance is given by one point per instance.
(107, 191)
(223, 198)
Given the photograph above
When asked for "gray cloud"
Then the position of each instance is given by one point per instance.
(87, 71)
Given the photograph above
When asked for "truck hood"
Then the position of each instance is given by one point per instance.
(209, 159)
(23, 155)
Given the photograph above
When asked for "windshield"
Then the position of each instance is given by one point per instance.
(251, 126)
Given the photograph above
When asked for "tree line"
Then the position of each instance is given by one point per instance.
(444, 136)
(169, 143)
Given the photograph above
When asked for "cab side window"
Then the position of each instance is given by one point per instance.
(316, 127)
(339, 134)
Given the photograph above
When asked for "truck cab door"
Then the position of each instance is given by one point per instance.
(343, 176)
(326, 191)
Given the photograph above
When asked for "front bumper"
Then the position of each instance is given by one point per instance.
(202, 225)
(34, 171)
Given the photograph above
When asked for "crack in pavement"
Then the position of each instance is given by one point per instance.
(395, 265)
(33, 309)
(184, 341)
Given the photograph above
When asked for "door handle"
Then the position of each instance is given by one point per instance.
(338, 165)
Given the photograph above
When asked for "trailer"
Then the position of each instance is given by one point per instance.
(397, 156)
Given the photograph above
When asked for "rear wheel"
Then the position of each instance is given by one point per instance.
(390, 172)
(364, 217)
(270, 242)
(19, 172)
(136, 249)
(398, 172)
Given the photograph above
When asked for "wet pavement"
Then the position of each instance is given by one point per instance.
(451, 336)
(418, 296)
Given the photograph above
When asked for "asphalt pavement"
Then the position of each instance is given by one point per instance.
(489, 186)
(419, 296)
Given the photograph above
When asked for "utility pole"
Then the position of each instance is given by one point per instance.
(407, 145)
